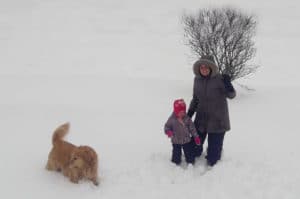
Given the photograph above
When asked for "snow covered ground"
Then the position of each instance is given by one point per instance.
(112, 69)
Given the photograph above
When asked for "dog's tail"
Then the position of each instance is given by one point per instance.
(60, 132)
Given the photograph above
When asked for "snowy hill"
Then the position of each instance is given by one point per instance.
(112, 69)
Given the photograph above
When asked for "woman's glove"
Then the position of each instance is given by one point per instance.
(227, 83)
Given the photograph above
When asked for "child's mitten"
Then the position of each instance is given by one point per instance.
(169, 133)
(197, 140)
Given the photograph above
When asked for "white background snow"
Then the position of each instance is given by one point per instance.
(112, 68)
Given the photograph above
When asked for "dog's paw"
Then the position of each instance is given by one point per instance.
(96, 183)
(74, 180)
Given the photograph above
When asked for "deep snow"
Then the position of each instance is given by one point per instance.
(112, 69)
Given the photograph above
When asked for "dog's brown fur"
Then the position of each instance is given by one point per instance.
(74, 162)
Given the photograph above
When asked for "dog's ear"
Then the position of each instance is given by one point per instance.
(73, 156)
(66, 126)
(89, 157)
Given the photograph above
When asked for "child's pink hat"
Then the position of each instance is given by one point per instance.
(179, 105)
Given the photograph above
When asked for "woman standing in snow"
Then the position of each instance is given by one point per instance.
(210, 104)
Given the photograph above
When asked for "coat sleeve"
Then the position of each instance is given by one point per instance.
(230, 91)
(231, 94)
(194, 102)
(228, 87)
(168, 125)
(192, 128)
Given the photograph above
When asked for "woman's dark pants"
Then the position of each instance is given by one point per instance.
(214, 149)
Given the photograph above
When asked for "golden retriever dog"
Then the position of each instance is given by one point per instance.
(75, 162)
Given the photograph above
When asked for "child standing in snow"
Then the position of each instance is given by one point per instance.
(180, 128)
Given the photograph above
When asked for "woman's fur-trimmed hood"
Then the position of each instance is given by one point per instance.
(208, 61)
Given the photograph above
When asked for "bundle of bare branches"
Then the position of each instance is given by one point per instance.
(227, 35)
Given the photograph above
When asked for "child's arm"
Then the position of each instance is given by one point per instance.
(192, 128)
(168, 128)
(193, 131)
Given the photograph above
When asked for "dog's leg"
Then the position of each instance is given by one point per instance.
(74, 179)
(73, 176)
(95, 181)
(50, 166)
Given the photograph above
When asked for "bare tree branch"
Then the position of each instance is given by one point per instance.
(226, 34)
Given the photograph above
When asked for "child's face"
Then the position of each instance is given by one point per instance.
(181, 114)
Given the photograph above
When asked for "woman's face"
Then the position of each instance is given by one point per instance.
(204, 70)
